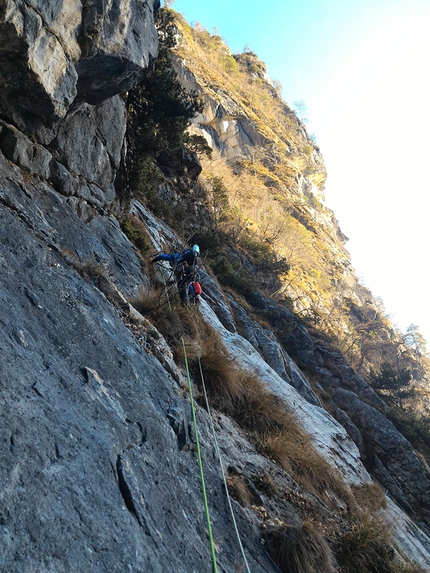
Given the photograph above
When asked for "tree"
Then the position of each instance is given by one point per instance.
(392, 382)
(159, 108)
(301, 110)
(415, 340)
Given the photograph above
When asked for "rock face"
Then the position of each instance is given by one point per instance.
(99, 467)
(63, 65)
(387, 454)
(55, 52)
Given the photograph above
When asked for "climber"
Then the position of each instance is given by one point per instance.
(188, 256)
(184, 268)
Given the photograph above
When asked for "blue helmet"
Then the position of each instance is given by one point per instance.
(196, 250)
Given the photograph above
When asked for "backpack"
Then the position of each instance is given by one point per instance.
(194, 290)
(197, 288)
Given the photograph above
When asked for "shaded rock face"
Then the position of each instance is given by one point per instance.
(53, 52)
(63, 65)
(92, 425)
(180, 162)
(388, 455)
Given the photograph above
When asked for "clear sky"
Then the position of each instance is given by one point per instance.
(363, 69)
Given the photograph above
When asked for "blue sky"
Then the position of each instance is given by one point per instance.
(363, 69)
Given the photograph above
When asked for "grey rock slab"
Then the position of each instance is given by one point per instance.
(94, 477)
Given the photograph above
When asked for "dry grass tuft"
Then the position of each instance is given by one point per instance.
(294, 452)
(269, 423)
(369, 496)
(239, 490)
(223, 380)
(92, 271)
(366, 547)
(89, 269)
(148, 300)
(258, 410)
(172, 319)
(301, 549)
(192, 348)
(265, 483)
(277, 448)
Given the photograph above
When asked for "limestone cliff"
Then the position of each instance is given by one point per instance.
(99, 464)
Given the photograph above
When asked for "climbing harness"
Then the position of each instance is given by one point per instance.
(202, 477)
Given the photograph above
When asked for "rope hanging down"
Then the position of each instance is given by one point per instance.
(211, 541)
(220, 458)
(202, 477)
(222, 469)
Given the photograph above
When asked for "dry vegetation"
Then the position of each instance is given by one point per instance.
(300, 549)
(263, 200)
(265, 205)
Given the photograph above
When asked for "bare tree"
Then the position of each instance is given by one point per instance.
(301, 110)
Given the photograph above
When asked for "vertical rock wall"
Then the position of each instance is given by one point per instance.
(63, 66)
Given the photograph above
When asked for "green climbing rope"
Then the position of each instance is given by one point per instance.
(208, 408)
(202, 477)
(222, 469)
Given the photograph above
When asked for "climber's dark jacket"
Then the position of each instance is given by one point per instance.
(176, 259)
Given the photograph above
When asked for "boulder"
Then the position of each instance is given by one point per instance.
(19, 149)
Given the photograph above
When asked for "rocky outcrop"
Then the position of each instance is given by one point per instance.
(56, 53)
(93, 426)
(61, 64)
(388, 455)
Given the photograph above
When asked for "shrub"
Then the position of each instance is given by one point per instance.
(414, 427)
(265, 256)
(234, 276)
(159, 107)
(146, 179)
(392, 381)
(134, 229)
(211, 240)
